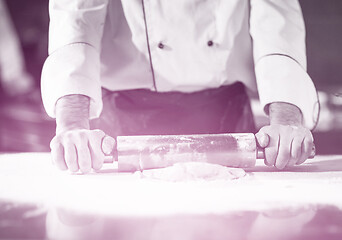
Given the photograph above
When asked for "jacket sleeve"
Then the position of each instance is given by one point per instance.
(278, 32)
(73, 65)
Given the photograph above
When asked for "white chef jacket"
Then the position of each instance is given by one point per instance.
(178, 45)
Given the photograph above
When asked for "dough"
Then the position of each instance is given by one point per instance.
(189, 171)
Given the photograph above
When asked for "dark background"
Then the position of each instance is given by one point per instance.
(323, 20)
(24, 125)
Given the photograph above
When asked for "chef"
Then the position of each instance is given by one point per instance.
(176, 67)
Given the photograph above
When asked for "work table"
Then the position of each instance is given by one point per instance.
(127, 201)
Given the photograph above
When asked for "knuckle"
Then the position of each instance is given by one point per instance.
(82, 134)
(265, 130)
(285, 128)
(259, 134)
(68, 136)
(99, 133)
(55, 142)
(74, 135)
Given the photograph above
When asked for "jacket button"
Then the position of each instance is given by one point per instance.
(161, 46)
(210, 43)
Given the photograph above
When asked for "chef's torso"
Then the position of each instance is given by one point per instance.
(176, 45)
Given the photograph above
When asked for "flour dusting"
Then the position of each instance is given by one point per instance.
(190, 171)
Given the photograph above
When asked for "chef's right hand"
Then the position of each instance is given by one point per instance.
(80, 149)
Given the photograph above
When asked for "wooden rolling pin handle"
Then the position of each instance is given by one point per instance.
(261, 152)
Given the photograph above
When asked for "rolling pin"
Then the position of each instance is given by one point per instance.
(157, 151)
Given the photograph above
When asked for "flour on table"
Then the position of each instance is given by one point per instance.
(189, 171)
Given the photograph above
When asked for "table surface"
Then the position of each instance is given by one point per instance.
(30, 178)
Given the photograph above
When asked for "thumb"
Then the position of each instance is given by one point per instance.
(108, 144)
(262, 138)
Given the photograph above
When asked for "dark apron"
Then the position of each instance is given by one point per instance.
(143, 112)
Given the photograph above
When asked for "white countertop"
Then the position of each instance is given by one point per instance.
(31, 178)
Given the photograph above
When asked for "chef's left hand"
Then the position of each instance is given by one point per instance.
(285, 145)
(286, 140)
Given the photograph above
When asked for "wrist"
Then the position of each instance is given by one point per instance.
(72, 112)
(285, 114)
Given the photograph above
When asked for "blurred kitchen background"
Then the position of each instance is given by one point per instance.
(25, 127)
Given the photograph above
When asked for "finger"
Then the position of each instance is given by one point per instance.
(296, 148)
(57, 154)
(97, 156)
(55, 141)
(53, 146)
(307, 145)
(83, 156)
(263, 139)
(108, 144)
(70, 156)
(296, 151)
(284, 153)
(271, 152)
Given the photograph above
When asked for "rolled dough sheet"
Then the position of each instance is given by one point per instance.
(193, 171)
